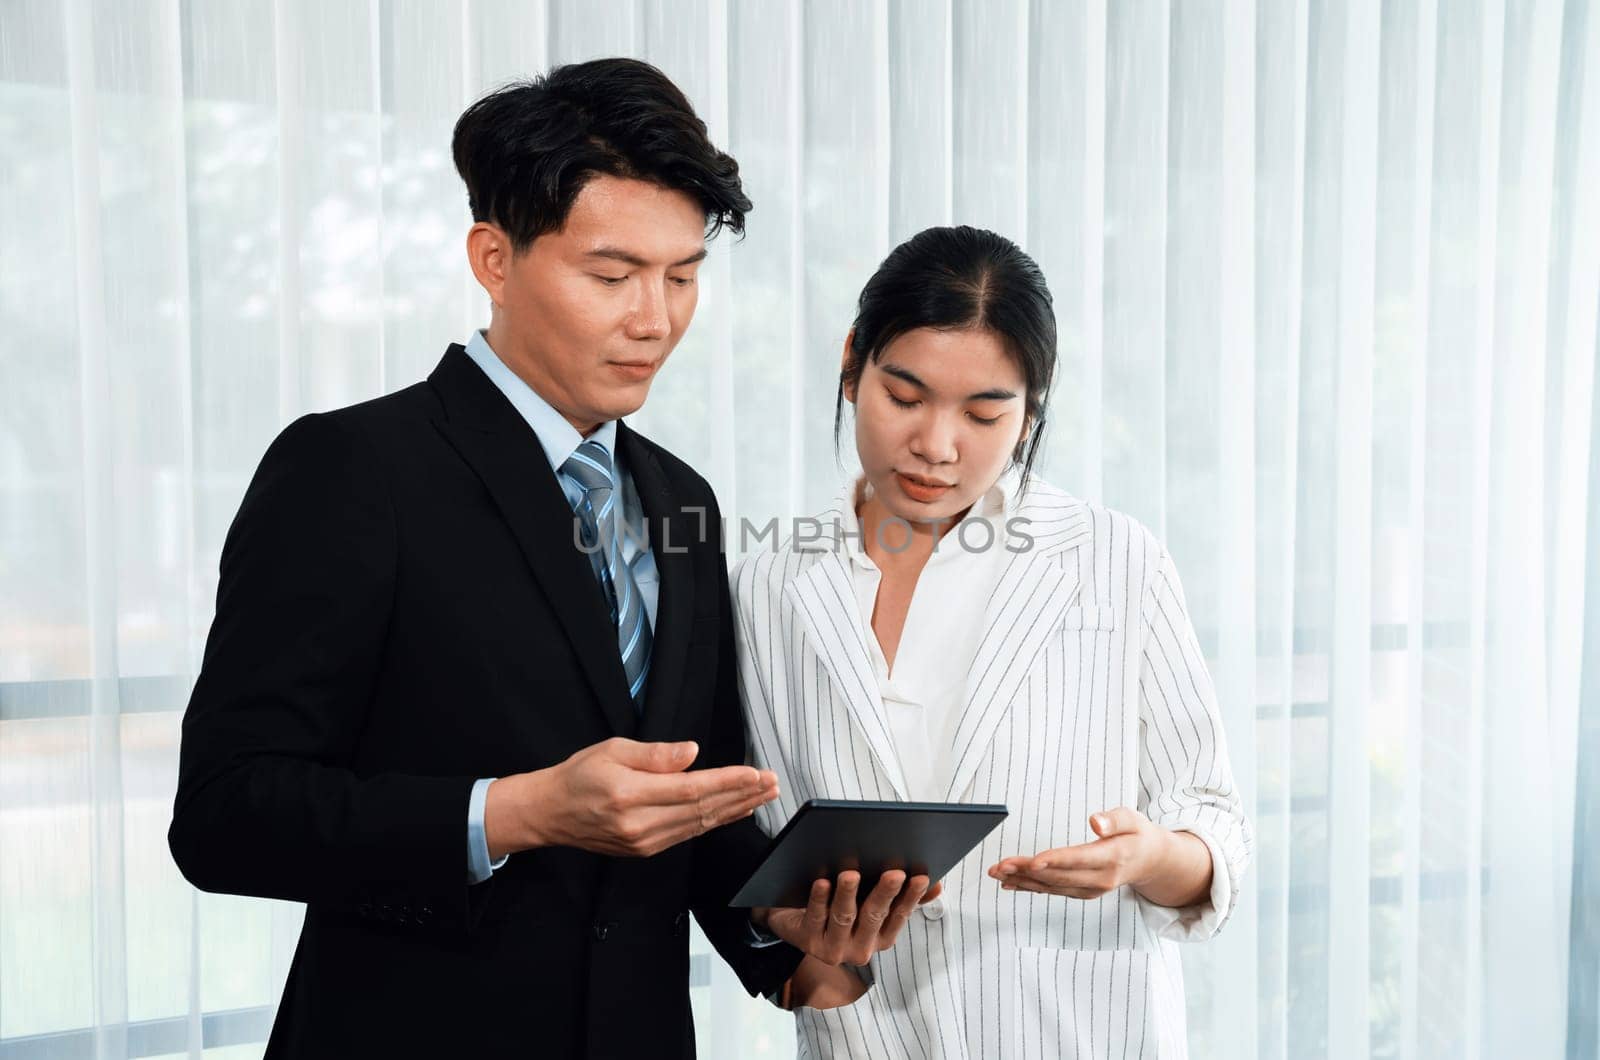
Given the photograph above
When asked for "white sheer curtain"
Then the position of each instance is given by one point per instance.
(1327, 276)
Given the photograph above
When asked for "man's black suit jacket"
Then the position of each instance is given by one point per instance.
(402, 610)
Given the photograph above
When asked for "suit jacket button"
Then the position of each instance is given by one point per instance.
(601, 931)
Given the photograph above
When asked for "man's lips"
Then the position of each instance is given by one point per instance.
(635, 369)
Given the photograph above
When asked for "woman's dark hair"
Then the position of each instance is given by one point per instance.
(527, 149)
(956, 278)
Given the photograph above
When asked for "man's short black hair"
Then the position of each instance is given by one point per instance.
(527, 149)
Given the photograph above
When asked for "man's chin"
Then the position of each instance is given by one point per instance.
(624, 402)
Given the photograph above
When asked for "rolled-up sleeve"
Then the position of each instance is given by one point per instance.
(1186, 781)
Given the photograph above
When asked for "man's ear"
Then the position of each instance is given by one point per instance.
(849, 385)
(489, 254)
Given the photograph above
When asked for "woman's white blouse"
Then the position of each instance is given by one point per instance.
(922, 693)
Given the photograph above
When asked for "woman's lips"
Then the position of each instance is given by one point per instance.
(919, 490)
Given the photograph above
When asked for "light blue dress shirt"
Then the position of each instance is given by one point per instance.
(559, 439)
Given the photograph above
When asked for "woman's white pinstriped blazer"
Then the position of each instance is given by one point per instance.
(1088, 692)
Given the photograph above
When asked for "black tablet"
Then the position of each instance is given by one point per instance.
(829, 836)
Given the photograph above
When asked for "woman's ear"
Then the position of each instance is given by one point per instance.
(1022, 440)
(846, 384)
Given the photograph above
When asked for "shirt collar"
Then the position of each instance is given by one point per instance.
(557, 437)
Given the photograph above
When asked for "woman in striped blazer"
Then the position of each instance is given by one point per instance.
(954, 629)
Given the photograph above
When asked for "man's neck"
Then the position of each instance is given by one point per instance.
(524, 368)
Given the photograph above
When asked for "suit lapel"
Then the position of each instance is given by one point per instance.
(825, 605)
(671, 535)
(503, 451)
(1035, 590)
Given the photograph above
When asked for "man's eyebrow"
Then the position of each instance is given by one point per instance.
(615, 254)
(996, 394)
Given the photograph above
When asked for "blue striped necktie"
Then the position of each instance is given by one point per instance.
(590, 467)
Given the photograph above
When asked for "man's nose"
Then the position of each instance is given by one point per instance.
(649, 319)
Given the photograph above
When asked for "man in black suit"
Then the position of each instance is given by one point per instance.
(470, 638)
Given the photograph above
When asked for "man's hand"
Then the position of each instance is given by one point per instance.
(836, 931)
(1168, 868)
(621, 797)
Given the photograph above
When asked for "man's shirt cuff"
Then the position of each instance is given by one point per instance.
(479, 867)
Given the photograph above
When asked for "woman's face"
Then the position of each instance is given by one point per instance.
(938, 416)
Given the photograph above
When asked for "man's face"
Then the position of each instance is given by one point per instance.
(587, 315)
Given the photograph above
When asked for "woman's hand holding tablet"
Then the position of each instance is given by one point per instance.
(834, 929)
(808, 889)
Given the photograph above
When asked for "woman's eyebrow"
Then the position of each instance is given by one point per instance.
(996, 394)
(900, 373)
